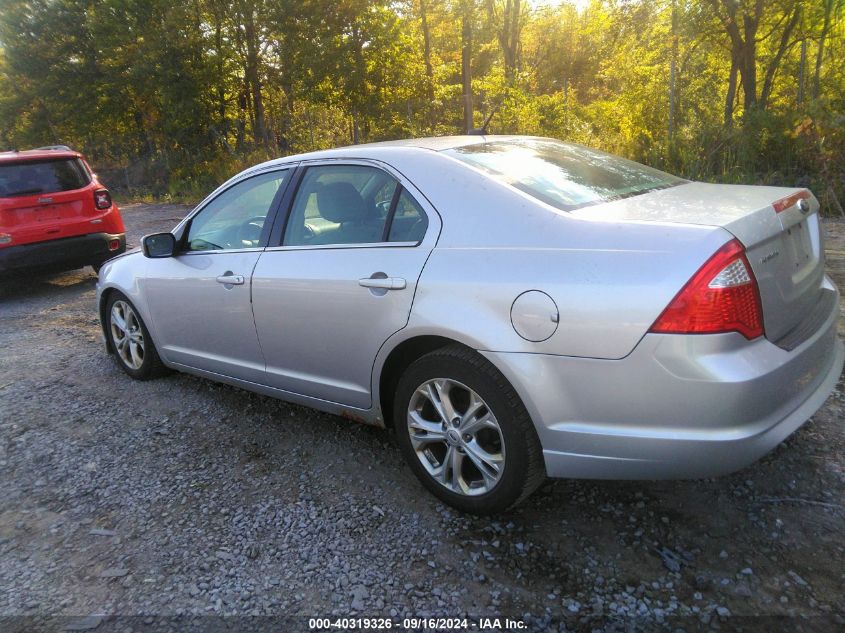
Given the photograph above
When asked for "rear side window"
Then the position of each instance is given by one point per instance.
(409, 220)
(340, 204)
(563, 175)
(42, 176)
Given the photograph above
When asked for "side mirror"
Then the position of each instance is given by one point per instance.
(159, 245)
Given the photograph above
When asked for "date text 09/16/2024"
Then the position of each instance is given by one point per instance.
(417, 624)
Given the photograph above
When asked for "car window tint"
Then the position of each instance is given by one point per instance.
(564, 175)
(340, 204)
(236, 217)
(409, 220)
(42, 176)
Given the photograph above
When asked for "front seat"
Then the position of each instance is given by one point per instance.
(341, 203)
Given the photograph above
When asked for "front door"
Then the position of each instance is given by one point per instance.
(341, 282)
(200, 299)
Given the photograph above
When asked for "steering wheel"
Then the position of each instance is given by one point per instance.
(249, 232)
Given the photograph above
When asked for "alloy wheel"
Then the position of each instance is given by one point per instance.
(127, 335)
(456, 437)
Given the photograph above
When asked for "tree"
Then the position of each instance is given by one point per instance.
(742, 20)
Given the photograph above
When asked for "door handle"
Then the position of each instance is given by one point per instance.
(230, 279)
(386, 283)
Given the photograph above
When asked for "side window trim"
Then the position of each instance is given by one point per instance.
(277, 240)
(385, 237)
(280, 223)
(184, 229)
(283, 215)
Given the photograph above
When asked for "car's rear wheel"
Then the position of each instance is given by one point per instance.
(130, 340)
(465, 433)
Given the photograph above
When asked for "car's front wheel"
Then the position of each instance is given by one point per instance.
(130, 340)
(465, 433)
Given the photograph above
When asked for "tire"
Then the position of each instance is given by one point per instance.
(130, 340)
(488, 458)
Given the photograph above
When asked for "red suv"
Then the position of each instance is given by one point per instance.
(54, 213)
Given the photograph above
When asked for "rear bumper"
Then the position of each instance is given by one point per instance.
(66, 253)
(678, 406)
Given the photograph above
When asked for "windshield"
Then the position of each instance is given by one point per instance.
(42, 176)
(563, 175)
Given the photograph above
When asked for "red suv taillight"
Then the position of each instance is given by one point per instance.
(721, 297)
(102, 199)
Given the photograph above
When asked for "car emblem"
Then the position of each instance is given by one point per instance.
(804, 206)
(44, 200)
(769, 257)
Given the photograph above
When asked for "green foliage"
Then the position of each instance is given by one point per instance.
(171, 99)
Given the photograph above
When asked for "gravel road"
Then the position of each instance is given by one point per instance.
(180, 498)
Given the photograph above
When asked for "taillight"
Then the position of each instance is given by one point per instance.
(721, 297)
(102, 199)
(790, 201)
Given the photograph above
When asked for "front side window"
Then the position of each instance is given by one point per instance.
(30, 178)
(340, 204)
(563, 175)
(235, 219)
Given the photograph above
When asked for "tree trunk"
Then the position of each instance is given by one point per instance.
(252, 76)
(771, 71)
(828, 10)
(221, 87)
(748, 69)
(508, 35)
(516, 27)
(743, 45)
(240, 127)
(466, 65)
(288, 116)
(359, 115)
(429, 71)
(802, 71)
(730, 97)
(672, 69)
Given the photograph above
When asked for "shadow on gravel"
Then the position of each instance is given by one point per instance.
(37, 285)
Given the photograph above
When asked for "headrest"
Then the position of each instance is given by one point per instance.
(341, 202)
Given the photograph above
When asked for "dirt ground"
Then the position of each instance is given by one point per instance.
(181, 498)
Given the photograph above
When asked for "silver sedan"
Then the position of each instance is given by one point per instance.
(512, 307)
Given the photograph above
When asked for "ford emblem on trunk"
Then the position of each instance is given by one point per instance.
(804, 206)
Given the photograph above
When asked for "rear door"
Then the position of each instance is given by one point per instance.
(199, 300)
(341, 278)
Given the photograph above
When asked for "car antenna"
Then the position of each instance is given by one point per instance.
(482, 131)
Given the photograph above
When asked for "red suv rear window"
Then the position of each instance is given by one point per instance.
(42, 176)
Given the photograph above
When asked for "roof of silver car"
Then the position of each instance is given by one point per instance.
(432, 143)
(436, 143)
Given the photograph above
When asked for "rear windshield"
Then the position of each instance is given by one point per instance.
(42, 176)
(563, 175)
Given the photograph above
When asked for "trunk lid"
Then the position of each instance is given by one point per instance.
(46, 199)
(784, 248)
(47, 216)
